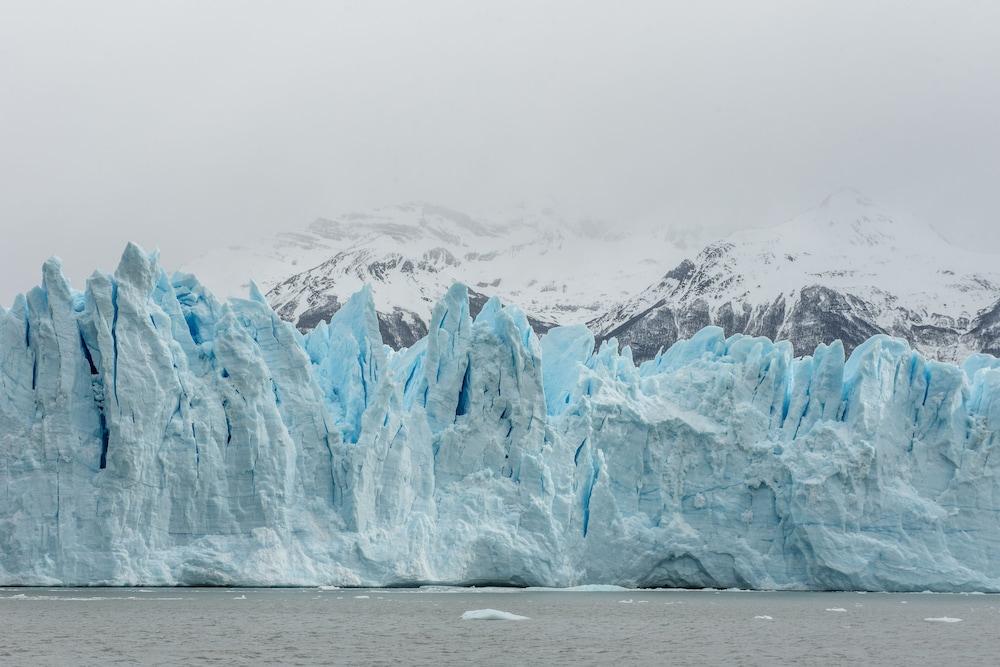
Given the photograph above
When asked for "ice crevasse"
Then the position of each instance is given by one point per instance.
(150, 434)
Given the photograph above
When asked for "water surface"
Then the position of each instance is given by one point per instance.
(423, 626)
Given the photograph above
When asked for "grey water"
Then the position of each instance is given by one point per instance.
(60, 626)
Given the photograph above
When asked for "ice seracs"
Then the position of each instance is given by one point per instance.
(152, 434)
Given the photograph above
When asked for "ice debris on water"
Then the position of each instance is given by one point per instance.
(151, 434)
(492, 615)
(943, 619)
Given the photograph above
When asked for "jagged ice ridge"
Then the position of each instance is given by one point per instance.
(150, 434)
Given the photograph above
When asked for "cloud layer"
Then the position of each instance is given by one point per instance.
(176, 124)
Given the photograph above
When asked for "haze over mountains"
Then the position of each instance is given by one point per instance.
(847, 268)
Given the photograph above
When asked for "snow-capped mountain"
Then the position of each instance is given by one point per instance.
(845, 269)
(561, 271)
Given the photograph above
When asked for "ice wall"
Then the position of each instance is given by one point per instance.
(152, 435)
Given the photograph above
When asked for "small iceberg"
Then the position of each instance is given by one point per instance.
(943, 619)
(836, 609)
(492, 615)
(765, 617)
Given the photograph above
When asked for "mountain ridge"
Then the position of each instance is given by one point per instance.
(847, 268)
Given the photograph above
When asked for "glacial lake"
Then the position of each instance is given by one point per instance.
(61, 626)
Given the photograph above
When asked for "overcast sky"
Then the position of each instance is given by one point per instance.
(178, 124)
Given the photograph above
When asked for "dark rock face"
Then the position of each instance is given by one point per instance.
(733, 319)
(647, 332)
(720, 287)
(815, 315)
(321, 312)
(821, 315)
(681, 272)
(929, 335)
(693, 319)
(713, 289)
(401, 328)
(476, 302)
(984, 335)
(766, 320)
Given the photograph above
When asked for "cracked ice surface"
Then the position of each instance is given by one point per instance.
(150, 434)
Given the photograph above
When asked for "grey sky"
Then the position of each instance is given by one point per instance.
(177, 124)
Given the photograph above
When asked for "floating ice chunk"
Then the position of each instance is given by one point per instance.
(836, 609)
(943, 619)
(329, 588)
(361, 597)
(492, 615)
(240, 597)
(629, 601)
(765, 617)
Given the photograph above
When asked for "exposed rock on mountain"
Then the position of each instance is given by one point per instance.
(844, 270)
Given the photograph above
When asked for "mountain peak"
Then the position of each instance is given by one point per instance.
(846, 216)
(847, 196)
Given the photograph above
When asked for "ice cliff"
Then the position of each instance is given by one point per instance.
(150, 434)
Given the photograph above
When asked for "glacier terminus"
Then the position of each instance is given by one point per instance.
(152, 434)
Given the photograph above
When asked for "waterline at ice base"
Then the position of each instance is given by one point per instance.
(151, 434)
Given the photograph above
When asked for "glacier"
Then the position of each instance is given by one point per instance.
(151, 434)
